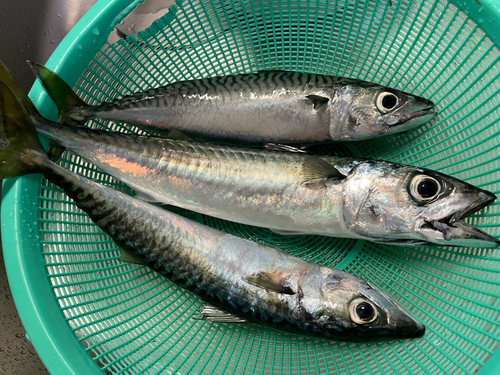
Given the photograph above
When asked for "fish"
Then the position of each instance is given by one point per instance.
(287, 192)
(255, 108)
(239, 280)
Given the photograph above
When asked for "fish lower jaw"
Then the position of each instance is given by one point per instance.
(450, 231)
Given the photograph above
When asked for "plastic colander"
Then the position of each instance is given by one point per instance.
(86, 312)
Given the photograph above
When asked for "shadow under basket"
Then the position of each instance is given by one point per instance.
(88, 313)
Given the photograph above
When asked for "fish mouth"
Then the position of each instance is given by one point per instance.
(422, 115)
(398, 122)
(452, 231)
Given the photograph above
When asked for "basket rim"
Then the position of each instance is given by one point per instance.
(40, 313)
(59, 349)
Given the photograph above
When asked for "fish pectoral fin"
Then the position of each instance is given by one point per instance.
(316, 172)
(281, 147)
(273, 282)
(214, 314)
(129, 256)
(318, 102)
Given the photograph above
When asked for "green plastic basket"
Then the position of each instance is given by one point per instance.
(86, 312)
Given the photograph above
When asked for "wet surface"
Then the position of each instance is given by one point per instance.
(17, 355)
(28, 30)
(31, 30)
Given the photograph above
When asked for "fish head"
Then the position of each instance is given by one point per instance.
(392, 203)
(360, 111)
(345, 307)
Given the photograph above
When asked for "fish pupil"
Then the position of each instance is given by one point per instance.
(389, 101)
(427, 188)
(364, 311)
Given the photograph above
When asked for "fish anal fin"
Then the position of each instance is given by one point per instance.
(271, 281)
(128, 255)
(55, 151)
(176, 135)
(281, 147)
(287, 232)
(146, 197)
(316, 171)
(210, 313)
(318, 102)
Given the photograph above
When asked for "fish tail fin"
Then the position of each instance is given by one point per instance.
(72, 109)
(20, 149)
(55, 151)
(13, 86)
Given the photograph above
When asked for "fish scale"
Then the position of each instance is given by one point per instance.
(254, 281)
(177, 247)
(258, 108)
(288, 192)
(230, 183)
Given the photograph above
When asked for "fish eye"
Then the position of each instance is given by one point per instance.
(362, 311)
(386, 101)
(424, 187)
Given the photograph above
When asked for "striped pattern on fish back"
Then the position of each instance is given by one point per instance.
(180, 158)
(138, 226)
(261, 83)
(182, 251)
(238, 184)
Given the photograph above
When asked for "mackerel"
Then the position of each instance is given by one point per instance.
(256, 108)
(246, 281)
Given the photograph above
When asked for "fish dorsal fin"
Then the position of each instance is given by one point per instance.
(128, 255)
(316, 171)
(271, 281)
(214, 314)
(281, 147)
(318, 102)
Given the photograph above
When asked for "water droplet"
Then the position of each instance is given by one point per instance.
(79, 46)
(95, 31)
(11, 214)
(58, 15)
(437, 342)
(52, 41)
(18, 335)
